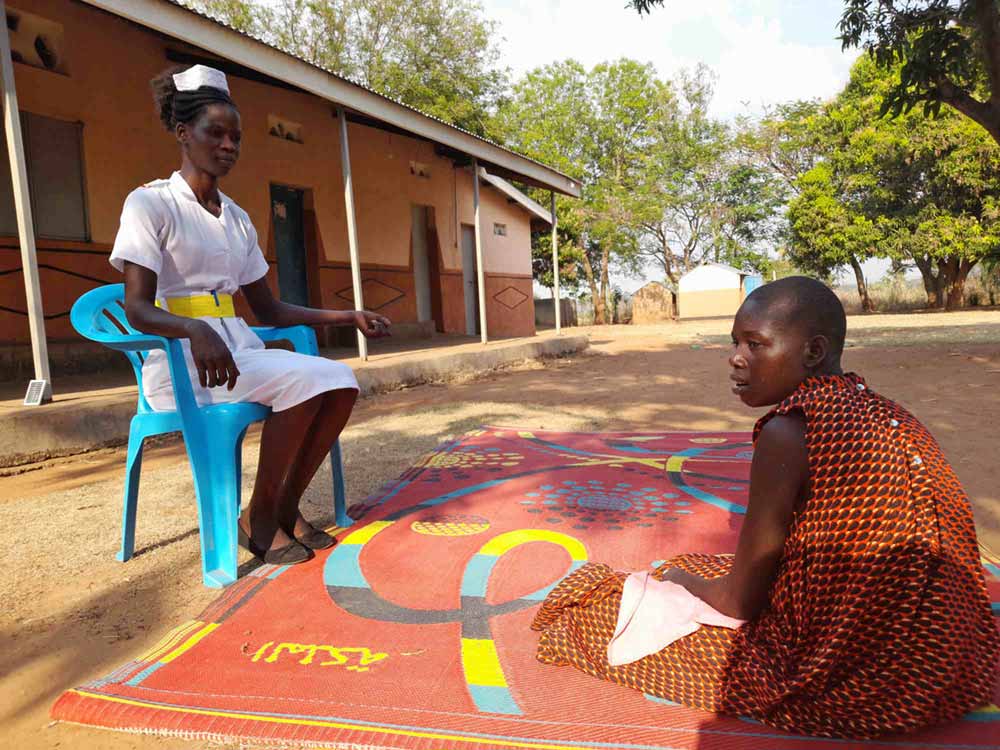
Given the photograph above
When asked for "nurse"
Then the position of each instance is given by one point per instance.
(185, 248)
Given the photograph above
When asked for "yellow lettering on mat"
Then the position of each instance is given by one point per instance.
(355, 659)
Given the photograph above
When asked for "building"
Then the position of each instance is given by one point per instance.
(653, 303)
(409, 182)
(714, 290)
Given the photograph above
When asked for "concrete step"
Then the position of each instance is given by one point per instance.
(94, 412)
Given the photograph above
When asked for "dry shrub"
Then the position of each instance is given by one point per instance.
(891, 294)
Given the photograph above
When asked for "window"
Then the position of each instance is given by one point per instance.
(36, 41)
(419, 169)
(54, 155)
(500, 229)
(286, 130)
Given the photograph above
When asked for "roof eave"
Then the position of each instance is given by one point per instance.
(184, 24)
(533, 208)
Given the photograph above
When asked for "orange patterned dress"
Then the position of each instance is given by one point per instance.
(878, 620)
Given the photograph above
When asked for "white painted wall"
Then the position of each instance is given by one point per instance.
(709, 278)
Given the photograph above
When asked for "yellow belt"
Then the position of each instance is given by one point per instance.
(201, 306)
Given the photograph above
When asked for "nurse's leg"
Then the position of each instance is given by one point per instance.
(282, 440)
(326, 428)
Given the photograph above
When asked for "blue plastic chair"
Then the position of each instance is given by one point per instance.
(213, 435)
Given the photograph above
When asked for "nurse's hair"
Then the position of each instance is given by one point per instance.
(175, 106)
(804, 302)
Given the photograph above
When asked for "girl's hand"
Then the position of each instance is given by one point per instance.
(674, 575)
(212, 358)
(372, 325)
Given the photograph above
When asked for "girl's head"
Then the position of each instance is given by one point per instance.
(194, 105)
(784, 332)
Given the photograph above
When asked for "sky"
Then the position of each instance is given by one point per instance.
(763, 52)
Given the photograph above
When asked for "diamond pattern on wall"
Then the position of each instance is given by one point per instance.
(64, 283)
(510, 297)
(377, 294)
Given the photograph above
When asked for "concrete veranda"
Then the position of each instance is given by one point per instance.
(93, 411)
(72, 612)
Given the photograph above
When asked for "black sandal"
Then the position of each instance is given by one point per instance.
(290, 554)
(316, 539)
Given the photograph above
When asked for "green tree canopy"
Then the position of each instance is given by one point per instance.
(439, 56)
(595, 126)
(946, 51)
(908, 189)
(699, 198)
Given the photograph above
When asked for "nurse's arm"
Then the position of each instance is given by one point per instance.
(273, 312)
(210, 354)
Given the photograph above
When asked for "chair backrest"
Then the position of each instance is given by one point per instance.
(99, 315)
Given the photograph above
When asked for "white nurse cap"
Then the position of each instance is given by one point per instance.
(200, 75)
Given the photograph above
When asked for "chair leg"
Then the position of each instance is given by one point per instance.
(133, 468)
(238, 460)
(216, 481)
(339, 496)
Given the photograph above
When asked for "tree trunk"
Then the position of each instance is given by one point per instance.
(932, 283)
(859, 275)
(668, 261)
(957, 271)
(605, 286)
(595, 297)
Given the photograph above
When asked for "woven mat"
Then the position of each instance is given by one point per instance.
(413, 631)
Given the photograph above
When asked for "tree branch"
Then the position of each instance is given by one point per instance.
(988, 20)
(968, 105)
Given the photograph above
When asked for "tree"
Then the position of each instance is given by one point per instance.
(439, 56)
(948, 50)
(643, 6)
(595, 126)
(701, 197)
(788, 140)
(908, 189)
(825, 234)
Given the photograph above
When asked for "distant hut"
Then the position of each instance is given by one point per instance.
(714, 290)
(653, 303)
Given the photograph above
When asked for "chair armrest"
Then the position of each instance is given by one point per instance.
(128, 342)
(303, 338)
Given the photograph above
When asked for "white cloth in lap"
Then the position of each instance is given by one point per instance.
(653, 614)
(165, 229)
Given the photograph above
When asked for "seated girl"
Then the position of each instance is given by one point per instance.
(857, 567)
(185, 248)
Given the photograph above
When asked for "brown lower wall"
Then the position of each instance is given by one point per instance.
(510, 306)
(453, 302)
(711, 304)
(66, 272)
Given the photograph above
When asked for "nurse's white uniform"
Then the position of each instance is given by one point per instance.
(165, 229)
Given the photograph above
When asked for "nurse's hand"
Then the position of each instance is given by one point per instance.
(212, 358)
(372, 325)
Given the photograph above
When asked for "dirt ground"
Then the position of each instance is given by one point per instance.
(72, 612)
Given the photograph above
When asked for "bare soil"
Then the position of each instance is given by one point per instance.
(71, 612)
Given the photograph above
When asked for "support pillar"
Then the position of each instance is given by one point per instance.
(352, 225)
(480, 274)
(555, 265)
(22, 208)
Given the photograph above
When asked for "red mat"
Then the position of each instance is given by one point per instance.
(413, 631)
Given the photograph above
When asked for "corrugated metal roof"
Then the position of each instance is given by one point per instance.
(187, 6)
